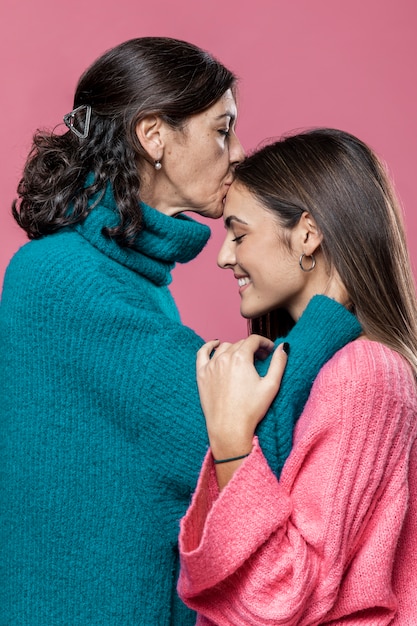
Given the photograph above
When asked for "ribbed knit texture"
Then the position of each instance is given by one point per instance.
(102, 431)
(334, 540)
(324, 328)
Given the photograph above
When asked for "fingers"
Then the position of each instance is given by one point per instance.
(253, 346)
(203, 355)
(215, 348)
(277, 365)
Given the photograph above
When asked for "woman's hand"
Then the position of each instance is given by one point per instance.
(234, 397)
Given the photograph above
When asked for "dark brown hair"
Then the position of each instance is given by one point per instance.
(151, 75)
(339, 180)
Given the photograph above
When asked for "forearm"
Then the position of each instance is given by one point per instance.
(233, 554)
(226, 466)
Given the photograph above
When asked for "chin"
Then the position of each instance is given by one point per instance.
(217, 210)
(214, 214)
(212, 209)
(251, 315)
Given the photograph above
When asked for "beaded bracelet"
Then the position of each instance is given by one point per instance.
(233, 458)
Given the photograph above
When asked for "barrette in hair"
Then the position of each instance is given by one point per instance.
(71, 117)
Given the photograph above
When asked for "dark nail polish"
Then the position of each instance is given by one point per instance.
(286, 347)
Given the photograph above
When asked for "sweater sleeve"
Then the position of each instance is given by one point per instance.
(102, 440)
(318, 545)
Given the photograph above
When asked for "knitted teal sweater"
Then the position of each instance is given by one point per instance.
(102, 434)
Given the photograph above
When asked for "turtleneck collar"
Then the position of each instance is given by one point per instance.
(162, 243)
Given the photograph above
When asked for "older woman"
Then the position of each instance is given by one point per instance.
(102, 436)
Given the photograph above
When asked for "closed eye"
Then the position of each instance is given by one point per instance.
(224, 132)
(237, 239)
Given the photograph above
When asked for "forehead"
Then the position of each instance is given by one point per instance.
(224, 107)
(242, 206)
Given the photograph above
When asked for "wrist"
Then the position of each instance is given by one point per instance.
(231, 459)
(228, 449)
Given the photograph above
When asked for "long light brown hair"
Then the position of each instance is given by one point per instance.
(344, 186)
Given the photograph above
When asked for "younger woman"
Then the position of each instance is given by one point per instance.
(330, 539)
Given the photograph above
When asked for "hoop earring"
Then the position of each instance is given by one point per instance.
(158, 165)
(313, 262)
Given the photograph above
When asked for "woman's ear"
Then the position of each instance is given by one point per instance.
(310, 234)
(149, 131)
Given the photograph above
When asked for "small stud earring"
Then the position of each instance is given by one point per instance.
(158, 165)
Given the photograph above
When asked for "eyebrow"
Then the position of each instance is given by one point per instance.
(227, 114)
(233, 218)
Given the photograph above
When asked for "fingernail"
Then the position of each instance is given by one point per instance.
(286, 347)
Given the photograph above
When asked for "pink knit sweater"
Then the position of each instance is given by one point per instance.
(334, 541)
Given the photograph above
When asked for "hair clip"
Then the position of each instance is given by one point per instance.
(69, 119)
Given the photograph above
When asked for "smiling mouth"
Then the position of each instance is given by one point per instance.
(243, 281)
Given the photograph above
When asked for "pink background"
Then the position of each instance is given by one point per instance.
(349, 64)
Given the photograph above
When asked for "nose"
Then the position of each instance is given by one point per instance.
(226, 258)
(236, 151)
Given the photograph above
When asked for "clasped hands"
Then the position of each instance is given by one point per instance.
(234, 397)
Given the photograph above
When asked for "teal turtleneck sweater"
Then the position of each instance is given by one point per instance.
(102, 434)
